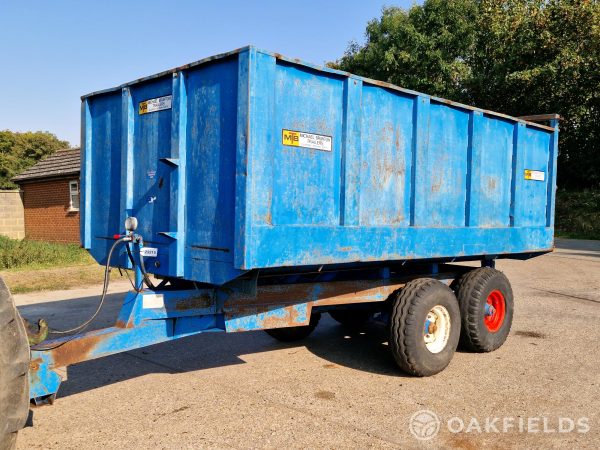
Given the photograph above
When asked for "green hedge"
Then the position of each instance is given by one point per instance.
(15, 254)
(578, 214)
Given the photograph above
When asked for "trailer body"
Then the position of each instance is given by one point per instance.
(251, 160)
(268, 191)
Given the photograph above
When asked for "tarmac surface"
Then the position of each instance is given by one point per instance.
(338, 389)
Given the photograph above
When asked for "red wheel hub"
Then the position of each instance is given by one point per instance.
(495, 310)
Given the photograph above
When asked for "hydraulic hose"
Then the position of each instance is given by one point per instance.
(104, 291)
(145, 274)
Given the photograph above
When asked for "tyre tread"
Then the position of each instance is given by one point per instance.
(14, 367)
(470, 287)
(401, 316)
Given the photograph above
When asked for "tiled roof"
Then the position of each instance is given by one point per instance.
(59, 164)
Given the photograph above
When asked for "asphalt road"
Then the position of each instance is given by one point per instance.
(341, 390)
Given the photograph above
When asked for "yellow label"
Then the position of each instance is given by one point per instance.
(306, 140)
(291, 138)
(536, 175)
(155, 104)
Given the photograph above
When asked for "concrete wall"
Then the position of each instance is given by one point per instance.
(48, 216)
(12, 222)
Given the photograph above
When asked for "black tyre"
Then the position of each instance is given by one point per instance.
(290, 334)
(351, 318)
(14, 367)
(424, 327)
(486, 307)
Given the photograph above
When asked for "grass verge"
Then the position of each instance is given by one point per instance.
(29, 266)
(26, 254)
(58, 278)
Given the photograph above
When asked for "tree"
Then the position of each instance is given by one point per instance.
(422, 48)
(18, 151)
(519, 57)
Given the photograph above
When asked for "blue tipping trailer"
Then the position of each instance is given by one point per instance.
(262, 191)
(221, 182)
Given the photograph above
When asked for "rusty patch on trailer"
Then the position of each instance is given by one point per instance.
(290, 318)
(34, 364)
(74, 351)
(269, 215)
(122, 324)
(327, 293)
(203, 301)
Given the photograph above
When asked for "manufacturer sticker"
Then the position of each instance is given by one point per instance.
(535, 175)
(306, 140)
(152, 301)
(155, 104)
(149, 252)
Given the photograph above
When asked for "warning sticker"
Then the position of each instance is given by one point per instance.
(155, 104)
(536, 175)
(307, 140)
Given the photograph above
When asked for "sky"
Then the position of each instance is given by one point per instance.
(52, 52)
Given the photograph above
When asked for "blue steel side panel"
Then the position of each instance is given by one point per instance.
(102, 173)
(177, 219)
(408, 176)
(306, 182)
(531, 200)
(243, 212)
(444, 168)
(151, 177)
(386, 157)
(212, 136)
(491, 172)
(553, 159)
(300, 245)
(85, 215)
(351, 166)
(260, 139)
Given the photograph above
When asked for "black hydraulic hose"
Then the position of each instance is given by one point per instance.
(104, 291)
(130, 255)
(145, 274)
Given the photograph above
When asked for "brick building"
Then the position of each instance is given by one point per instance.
(51, 198)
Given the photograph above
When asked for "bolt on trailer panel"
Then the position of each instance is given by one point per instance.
(253, 160)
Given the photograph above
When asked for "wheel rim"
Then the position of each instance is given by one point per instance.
(436, 331)
(495, 310)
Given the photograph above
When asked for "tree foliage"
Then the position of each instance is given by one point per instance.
(519, 57)
(18, 151)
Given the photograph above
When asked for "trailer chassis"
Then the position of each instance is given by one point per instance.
(150, 317)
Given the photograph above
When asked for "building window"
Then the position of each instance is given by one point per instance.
(73, 196)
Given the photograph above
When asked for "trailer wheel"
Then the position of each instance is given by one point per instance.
(424, 327)
(14, 367)
(290, 334)
(351, 318)
(486, 307)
